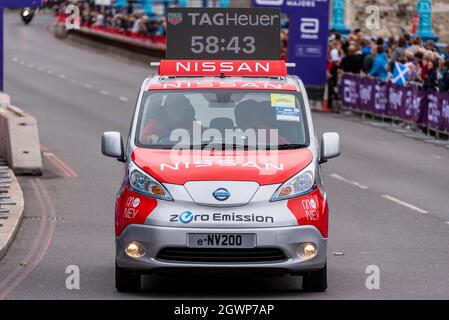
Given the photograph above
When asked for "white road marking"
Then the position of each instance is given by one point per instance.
(106, 93)
(446, 222)
(15, 59)
(22, 62)
(62, 76)
(354, 183)
(124, 99)
(87, 85)
(50, 72)
(40, 69)
(30, 65)
(403, 203)
(436, 157)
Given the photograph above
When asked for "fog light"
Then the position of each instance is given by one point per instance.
(135, 250)
(307, 250)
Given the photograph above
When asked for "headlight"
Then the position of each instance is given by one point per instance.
(142, 182)
(300, 184)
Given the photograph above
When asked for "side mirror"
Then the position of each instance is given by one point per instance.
(112, 145)
(330, 146)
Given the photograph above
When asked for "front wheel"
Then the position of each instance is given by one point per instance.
(126, 280)
(315, 281)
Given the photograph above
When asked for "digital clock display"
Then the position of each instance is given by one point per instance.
(211, 33)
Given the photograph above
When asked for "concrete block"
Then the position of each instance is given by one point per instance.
(5, 100)
(19, 141)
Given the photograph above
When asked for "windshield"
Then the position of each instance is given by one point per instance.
(222, 119)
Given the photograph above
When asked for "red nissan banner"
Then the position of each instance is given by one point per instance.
(238, 68)
(235, 85)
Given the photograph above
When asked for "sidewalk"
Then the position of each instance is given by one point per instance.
(11, 207)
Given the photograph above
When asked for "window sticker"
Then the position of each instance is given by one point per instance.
(285, 105)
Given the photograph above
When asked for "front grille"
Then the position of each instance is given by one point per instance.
(254, 255)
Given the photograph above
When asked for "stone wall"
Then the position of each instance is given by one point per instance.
(397, 16)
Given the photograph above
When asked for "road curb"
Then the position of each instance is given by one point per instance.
(19, 139)
(11, 208)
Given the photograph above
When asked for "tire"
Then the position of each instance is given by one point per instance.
(126, 280)
(315, 281)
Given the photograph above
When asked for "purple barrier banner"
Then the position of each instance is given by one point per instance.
(384, 98)
(433, 110)
(444, 120)
(381, 97)
(349, 91)
(366, 92)
(396, 98)
(410, 112)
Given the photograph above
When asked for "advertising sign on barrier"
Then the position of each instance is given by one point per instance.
(408, 103)
(349, 91)
(433, 110)
(14, 4)
(381, 97)
(412, 102)
(366, 92)
(396, 97)
(308, 36)
(444, 120)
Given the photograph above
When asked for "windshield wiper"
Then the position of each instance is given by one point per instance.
(219, 146)
(291, 146)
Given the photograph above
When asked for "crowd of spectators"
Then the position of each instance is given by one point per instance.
(124, 19)
(427, 64)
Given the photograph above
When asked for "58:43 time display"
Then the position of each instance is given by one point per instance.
(214, 44)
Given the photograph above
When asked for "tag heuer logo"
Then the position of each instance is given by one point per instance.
(174, 18)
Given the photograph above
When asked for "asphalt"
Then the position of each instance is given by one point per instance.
(388, 193)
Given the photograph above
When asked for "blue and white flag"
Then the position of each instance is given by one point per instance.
(400, 74)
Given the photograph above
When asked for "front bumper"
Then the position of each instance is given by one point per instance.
(286, 239)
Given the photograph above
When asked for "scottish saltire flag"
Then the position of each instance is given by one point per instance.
(400, 74)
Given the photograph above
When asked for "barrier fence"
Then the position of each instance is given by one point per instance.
(409, 103)
(154, 39)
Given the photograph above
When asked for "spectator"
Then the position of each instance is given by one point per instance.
(430, 45)
(431, 78)
(380, 69)
(415, 46)
(413, 67)
(444, 82)
(445, 54)
(352, 62)
(398, 52)
(335, 52)
(122, 20)
(368, 61)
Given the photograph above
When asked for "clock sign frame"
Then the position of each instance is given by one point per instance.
(223, 33)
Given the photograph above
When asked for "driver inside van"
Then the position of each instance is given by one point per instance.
(176, 113)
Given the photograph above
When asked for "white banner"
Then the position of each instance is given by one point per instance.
(103, 2)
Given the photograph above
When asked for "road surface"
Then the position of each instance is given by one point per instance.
(388, 194)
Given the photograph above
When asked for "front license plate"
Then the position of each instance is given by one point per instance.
(221, 240)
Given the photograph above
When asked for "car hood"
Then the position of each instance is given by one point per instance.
(263, 167)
